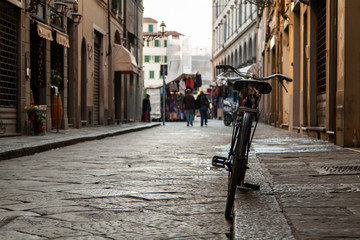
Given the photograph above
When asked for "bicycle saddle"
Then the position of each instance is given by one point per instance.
(260, 86)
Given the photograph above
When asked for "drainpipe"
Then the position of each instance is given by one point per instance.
(125, 20)
(109, 49)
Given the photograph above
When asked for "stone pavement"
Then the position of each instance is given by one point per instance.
(11, 147)
(309, 189)
(152, 184)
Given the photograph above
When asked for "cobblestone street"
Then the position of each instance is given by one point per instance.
(153, 184)
(158, 183)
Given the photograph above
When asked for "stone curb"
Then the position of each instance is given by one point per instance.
(26, 151)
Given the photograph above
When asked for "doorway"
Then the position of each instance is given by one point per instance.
(83, 83)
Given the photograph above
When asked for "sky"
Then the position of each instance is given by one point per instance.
(190, 17)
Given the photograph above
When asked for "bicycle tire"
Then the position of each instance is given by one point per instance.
(237, 175)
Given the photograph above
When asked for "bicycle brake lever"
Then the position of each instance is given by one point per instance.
(282, 83)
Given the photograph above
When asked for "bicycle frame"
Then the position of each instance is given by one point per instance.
(240, 111)
(250, 89)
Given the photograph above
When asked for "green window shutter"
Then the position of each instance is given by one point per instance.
(157, 43)
(151, 28)
(165, 43)
(157, 59)
(152, 74)
(147, 58)
(165, 59)
(148, 43)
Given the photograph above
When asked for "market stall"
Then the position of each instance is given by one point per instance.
(175, 91)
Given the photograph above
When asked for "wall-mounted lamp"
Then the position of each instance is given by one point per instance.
(60, 7)
(76, 17)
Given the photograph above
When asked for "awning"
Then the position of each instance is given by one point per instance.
(62, 39)
(44, 31)
(124, 61)
(168, 81)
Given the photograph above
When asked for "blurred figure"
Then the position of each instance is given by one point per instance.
(146, 109)
(188, 104)
(203, 104)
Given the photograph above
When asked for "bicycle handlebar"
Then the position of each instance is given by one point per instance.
(278, 76)
(246, 75)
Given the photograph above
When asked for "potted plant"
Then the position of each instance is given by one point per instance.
(34, 112)
(37, 117)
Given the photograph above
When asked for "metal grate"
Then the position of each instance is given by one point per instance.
(8, 56)
(341, 169)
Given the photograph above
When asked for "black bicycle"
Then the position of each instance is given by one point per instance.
(247, 115)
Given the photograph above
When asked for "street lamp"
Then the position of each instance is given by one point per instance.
(163, 28)
(163, 72)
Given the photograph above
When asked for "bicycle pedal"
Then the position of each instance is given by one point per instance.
(218, 161)
(251, 186)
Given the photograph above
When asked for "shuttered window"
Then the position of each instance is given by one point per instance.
(96, 101)
(321, 48)
(8, 56)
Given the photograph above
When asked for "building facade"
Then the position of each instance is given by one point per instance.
(234, 39)
(234, 33)
(161, 49)
(94, 47)
(314, 42)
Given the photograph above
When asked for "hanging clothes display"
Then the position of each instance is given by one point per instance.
(198, 81)
(173, 87)
(182, 87)
(191, 80)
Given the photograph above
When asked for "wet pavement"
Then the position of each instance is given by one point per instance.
(158, 183)
(309, 189)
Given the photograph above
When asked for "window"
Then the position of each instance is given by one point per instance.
(157, 59)
(165, 59)
(157, 43)
(117, 6)
(148, 43)
(240, 14)
(147, 59)
(151, 28)
(152, 74)
(165, 43)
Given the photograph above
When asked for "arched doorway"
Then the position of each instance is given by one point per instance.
(118, 86)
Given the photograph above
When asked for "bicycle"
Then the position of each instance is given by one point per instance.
(250, 89)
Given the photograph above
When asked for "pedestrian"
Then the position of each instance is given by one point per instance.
(146, 108)
(203, 104)
(188, 105)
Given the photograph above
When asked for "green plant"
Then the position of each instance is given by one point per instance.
(55, 78)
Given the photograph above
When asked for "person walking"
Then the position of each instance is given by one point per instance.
(188, 105)
(146, 108)
(203, 104)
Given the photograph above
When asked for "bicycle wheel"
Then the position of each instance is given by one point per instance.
(237, 175)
